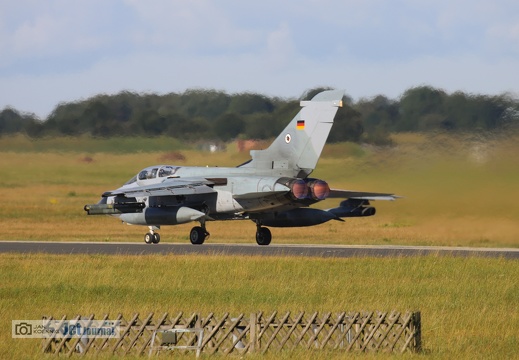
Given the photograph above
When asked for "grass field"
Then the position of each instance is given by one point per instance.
(457, 191)
(468, 305)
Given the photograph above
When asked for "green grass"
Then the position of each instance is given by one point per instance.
(457, 191)
(468, 305)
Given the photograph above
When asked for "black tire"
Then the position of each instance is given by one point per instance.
(156, 238)
(263, 236)
(197, 235)
(148, 238)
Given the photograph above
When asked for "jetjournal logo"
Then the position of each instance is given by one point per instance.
(66, 328)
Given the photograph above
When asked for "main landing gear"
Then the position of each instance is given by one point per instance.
(263, 235)
(198, 235)
(152, 237)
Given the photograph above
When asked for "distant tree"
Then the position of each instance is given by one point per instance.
(262, 126)
(35, 129)
(283, 114)
(206, 103)
(378, 112)
(65, 119)
(209, 114)
(417, 104)
(229, 126)
(248, 103)
(150, 122)
(492, 110)
(98, 120)
(347, 125)
(377, 115)
(11, 121)
(122, 106)
(181, 127)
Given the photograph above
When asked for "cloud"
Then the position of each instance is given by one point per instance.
(59, 50)
(34, 36)
(194, 26)
(280, 47)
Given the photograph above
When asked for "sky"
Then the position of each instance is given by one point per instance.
(58, 51)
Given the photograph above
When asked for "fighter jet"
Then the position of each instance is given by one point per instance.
(273, 188)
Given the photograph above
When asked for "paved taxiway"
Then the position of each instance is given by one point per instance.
(339, 251)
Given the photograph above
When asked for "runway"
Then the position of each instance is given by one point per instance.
(338, 251)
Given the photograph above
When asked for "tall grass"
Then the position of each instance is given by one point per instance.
(468, 305)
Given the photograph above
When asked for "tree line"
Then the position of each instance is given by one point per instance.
(211, 114)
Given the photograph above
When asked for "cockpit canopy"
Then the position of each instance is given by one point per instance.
(153, 172)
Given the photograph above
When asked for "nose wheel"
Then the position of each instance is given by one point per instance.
(152, 237)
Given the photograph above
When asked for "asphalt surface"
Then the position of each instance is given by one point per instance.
(339, 251)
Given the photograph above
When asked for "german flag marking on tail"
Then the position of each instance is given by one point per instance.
(300, 125)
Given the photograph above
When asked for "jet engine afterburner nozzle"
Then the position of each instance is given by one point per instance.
(319, 189)
(298, 189)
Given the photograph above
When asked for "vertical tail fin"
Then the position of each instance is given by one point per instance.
(297, 149)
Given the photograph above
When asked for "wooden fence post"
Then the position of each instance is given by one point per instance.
(416, 328)
(253, 331)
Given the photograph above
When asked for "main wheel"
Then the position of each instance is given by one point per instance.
(197, 235)
(156, 238)
(148, 238)
(263, 236)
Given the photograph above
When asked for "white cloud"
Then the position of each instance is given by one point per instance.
(280, 47)
(61, 51)
(34, 36)
(191, 26)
